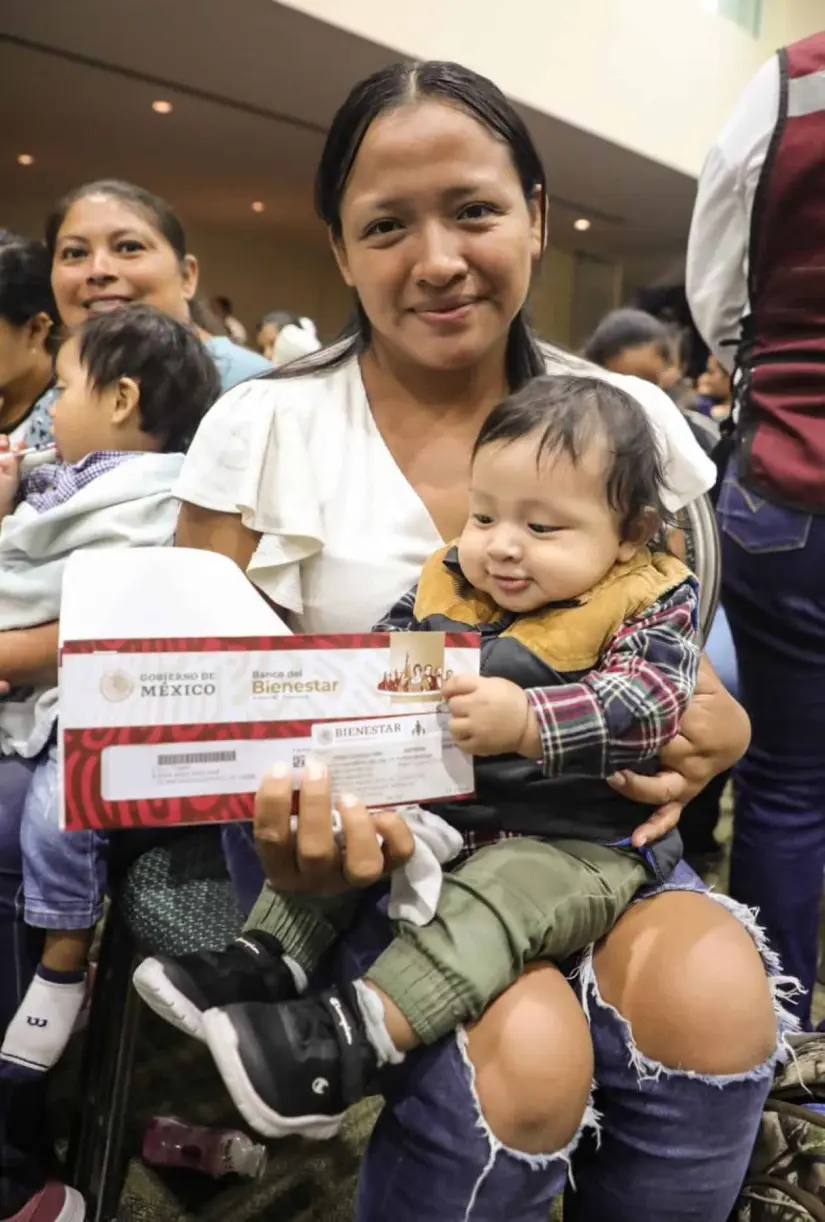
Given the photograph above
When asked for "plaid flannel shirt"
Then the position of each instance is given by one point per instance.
(622, 712)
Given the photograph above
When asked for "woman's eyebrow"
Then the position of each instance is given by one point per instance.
(396, 203)
(118, 233)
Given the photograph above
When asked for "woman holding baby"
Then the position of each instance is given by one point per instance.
(435, 199)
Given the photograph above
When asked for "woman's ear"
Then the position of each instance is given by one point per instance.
(339, 250)
(537, 205)
(126, 400)
(639, 534)
(190, 273)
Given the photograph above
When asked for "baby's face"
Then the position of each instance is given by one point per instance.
(539, 533)
(78, 419)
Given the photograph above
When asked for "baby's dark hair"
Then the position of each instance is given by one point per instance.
(177, 377)
(569, 412)
(627, 328)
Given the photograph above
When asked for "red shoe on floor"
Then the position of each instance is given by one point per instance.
(56, 1203)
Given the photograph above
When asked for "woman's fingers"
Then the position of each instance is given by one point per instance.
(658, 825)
(363, 862)
(313, 857)
(273, 807)
(317, 853)
(679, 750)
(273, 835)
(399, 844)
(659, 790)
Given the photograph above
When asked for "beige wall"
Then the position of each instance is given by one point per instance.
(799, 18)
(657, 76)
(263, 273)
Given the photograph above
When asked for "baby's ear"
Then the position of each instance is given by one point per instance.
(126, 400)
(639, 533)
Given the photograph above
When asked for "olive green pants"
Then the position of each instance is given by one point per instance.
(509, 904)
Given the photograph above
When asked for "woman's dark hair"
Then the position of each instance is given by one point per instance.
(392, 87)
(156, 211)
(623, 329)
(25, 281)
(567, 413)
(176, 374)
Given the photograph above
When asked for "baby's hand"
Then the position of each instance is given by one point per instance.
(9, 475)
(490, 716)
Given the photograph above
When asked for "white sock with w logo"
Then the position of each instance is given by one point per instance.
(40, 1030)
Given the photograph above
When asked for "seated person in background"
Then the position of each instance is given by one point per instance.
(134, 385)
(632, 342)
(715, 391)
(282, 336)
(589, 643)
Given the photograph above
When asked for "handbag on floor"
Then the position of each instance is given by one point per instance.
(786, 1178)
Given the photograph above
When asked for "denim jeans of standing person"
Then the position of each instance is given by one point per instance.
(773, 563)
(657, 1144)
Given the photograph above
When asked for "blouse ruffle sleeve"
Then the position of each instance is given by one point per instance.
(250, 457)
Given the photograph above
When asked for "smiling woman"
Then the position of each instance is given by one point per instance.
(114, 244)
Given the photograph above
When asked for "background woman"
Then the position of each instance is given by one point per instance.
(283, 336)
(112, 243)
(330, 486)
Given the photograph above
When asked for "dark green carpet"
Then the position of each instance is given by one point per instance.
(305, 1181)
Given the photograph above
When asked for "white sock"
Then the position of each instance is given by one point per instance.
(375, 1022)
(42, 1026)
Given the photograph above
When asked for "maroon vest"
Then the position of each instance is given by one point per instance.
(780, 386)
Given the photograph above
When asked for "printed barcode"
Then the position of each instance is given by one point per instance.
(197, 757)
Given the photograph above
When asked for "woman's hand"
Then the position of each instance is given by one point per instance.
(311, 860)
(715, 733)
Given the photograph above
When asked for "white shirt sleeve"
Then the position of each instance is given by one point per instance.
(250, 457)
(717, 259)
(214, 473)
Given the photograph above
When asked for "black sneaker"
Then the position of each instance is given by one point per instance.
(180, 990)
(296, 1067)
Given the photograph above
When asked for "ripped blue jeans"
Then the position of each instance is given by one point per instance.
(655, 1146)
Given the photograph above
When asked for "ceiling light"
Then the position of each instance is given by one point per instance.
(582, 224)
(25, 159)
(257, 206)
(160, 107)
